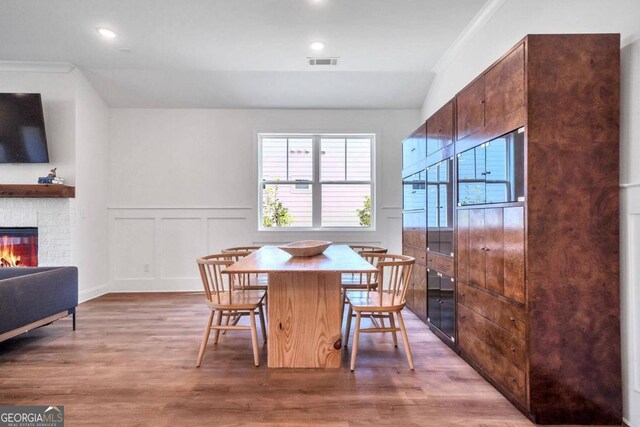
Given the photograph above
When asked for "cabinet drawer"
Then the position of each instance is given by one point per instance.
(495, 337)
(509, 316)
(492, 364)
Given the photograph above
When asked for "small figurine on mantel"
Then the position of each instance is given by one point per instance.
(51, 178)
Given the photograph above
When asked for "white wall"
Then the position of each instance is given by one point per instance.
(494, 34)
(184, 184)
(58, 99)
(90, 231)
(76, 121)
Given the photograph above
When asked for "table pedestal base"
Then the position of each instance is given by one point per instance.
(304, 320)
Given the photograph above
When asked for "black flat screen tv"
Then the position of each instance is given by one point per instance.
(22, 135)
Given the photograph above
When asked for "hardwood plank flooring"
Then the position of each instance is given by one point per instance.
(132, 362)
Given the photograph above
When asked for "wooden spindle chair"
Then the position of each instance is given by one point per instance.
(388, 299)
(226, 297)
(358, 281)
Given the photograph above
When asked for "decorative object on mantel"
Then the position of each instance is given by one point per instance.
(306, 248)
(46, 191)
(51, 178)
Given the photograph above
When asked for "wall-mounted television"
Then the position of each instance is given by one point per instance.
(22, 135)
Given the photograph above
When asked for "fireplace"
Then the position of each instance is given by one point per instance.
(18, 247)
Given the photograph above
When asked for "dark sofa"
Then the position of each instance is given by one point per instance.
(31, 297)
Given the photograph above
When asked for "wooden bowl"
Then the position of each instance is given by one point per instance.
(306, 248)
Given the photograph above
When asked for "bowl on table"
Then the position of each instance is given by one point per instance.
(306, 248)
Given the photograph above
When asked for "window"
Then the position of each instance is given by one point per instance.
(316, 181)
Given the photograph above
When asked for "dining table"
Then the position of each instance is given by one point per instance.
(304, 313)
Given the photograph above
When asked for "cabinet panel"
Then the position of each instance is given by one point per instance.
(492, 363)
(494, 250)
(440, 129)
(510, 316)
(477, 259)
(504, 86)
(462, 246)
(414, 195)
(470, 109)
(514, 282)
(420, 291)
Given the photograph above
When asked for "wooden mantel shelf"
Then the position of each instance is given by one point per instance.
(37, 191)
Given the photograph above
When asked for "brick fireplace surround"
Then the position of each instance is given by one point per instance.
(53, 219)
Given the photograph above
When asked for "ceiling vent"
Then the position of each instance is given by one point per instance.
(323, 61)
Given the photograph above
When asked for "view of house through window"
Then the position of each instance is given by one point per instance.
(316, 181)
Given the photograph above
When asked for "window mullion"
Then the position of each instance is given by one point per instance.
(316, 186)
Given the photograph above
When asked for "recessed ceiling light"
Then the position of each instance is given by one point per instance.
(317, 46)
(106, 33)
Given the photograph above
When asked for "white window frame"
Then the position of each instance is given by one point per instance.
(316, 183)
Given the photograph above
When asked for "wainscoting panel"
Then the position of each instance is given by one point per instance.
(181, 242)
(133, 248)
(154, 249)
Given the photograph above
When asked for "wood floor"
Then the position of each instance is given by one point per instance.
(132, 362)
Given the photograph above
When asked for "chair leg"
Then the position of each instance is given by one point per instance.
(392, 322)
(254, 338)
(262, 323)
(205, 338)
(381, 320)
(348, 331)
(405, 340)
(218, 323)
(356, 340)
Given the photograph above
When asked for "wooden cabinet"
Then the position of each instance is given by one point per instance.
(486, 258)
(535, 290)
(440, 129)
(419, 306)
(495, 100)
(504, 86)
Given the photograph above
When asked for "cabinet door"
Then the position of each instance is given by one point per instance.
(494, 249)
(440, 129)
(420, 291)
(414, 192)
(462, 246)
(472, 176)
(477, 244)
(413, 229)
(414, 148)
(447, 306)
(514, 283)
(504, 86)
(470, 109)
(433, 295)
(411, 286)
(433, 209)
(445, 216)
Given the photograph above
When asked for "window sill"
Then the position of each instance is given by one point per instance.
(316, 230)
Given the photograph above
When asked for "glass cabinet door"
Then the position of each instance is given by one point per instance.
(447, 306)
(433, 297)
(492, 172)
(433, 210)
(471, 176)
(414, 192)
(445, 222)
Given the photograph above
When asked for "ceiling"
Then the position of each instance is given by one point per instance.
(241, 53)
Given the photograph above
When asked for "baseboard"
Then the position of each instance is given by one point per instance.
(91, 293)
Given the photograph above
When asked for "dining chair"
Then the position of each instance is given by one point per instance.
(358, 281)
(227, 297)
(242, 249)
(368, 248)
(386, 300)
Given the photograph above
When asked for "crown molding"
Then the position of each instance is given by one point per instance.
(36, 67)
(481, 18)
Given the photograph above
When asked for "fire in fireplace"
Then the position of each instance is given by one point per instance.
(18, 247)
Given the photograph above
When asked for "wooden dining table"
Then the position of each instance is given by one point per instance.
(304, 303)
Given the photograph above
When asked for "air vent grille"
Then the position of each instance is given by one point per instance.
(323, 61)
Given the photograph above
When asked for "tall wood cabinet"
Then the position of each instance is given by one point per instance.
(532, 262)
